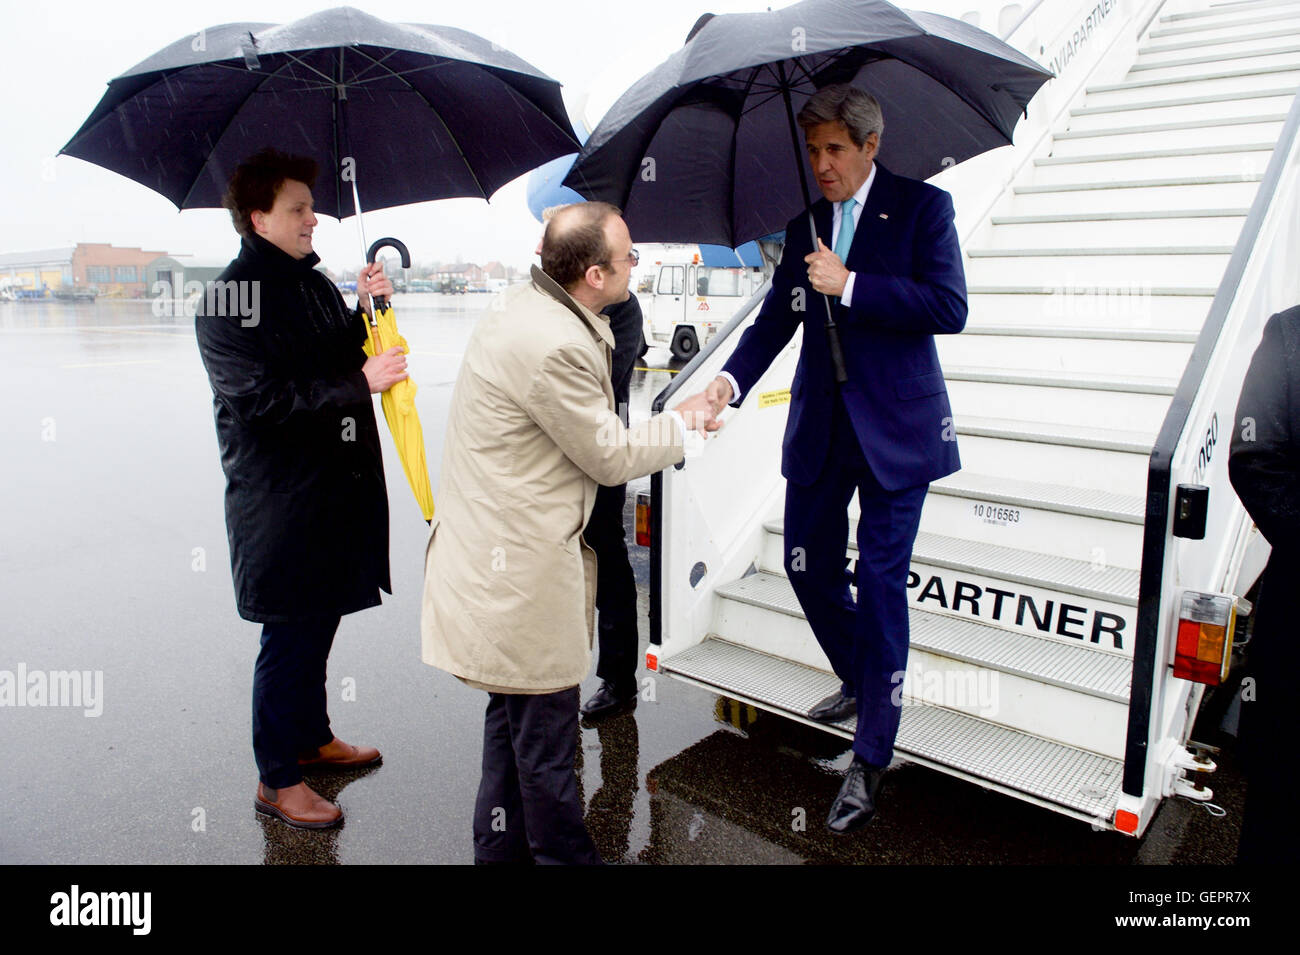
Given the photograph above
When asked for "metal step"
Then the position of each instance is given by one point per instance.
(1234, 6)
(1071, 667)
(1154, 154)
(1234, 25)
(1118, 216)
(1079, 782)
(1183, 101)
(1208, 77)
(1251, 120)
(1091, 363)
(1135, 184)
(1223, 10)
(1217, 41)
(1130, 442)
(1285, 53)
(1168, 165)
(1178, 336)
(1066, 267)
(1049, 497)
(1069, 201)
(1104, 228)
(1115, 584)
(1077, 407)
(1063, 379)
(1181, 291)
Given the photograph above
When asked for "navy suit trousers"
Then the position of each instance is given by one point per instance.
(866, 639)
(290, 718)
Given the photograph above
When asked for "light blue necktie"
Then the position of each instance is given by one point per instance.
(845, 238)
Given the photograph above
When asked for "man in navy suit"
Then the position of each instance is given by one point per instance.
(888, 255)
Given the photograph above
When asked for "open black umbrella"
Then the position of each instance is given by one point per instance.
(392, 114)
(396, 112)
(704, 148)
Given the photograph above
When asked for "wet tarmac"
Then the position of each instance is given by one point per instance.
(114, 560)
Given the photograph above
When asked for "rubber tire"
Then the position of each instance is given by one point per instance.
(685, 345)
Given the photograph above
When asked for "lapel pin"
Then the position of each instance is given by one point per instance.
(883, 216)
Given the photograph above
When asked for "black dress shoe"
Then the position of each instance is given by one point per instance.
(855, 806)
(605, 702)
(834, 708)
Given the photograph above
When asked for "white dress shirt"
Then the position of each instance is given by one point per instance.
(836, 214)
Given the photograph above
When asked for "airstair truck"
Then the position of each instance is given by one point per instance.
(1077, 586)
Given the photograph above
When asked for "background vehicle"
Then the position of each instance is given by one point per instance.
(688, 292)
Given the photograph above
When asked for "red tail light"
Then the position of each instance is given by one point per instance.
(1204, 647)
(643, 519)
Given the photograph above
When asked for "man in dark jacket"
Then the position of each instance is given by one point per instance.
(1264, 467)
(615, 582)
(306, 504)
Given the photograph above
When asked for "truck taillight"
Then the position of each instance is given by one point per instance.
(643, 519)
(1204, 645)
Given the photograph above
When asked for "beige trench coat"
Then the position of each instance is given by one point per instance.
(509, 584)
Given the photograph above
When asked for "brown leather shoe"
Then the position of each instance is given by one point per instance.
(301, 808)
(337, 754)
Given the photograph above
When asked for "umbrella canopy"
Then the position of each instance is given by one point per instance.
(392, 114)
(407, 112)
(700, 149)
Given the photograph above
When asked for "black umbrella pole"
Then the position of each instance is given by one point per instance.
(832, 331)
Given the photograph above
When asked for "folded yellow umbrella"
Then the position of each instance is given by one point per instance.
(399, 406)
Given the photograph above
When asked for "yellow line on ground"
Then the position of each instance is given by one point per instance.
(112, 364)
(667, 371)
(179, 333)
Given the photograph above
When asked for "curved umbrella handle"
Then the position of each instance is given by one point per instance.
(400, 246)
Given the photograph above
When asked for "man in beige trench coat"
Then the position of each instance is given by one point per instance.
(509, 591)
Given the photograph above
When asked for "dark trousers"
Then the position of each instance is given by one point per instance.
(866, 641)
(528, 806)
(615, 591)
(1268, 832)
(290, 717)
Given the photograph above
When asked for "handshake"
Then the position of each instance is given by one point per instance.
(700, 411)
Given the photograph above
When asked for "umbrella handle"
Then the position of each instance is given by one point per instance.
(400, 246)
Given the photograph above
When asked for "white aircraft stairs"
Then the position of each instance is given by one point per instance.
(1118, 281)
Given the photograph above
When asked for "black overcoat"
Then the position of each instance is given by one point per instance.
(306, 504)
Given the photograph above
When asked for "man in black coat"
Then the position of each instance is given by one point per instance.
(306, 504)
(1264, 467)
(615, 582)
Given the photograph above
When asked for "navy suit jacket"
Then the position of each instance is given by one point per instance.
(909, 287)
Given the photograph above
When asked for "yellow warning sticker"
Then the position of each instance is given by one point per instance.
(767, 399)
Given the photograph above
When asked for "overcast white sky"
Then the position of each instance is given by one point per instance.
(59, 56)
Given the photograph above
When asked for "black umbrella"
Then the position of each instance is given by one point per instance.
(392, 114)
(398, 112)
(704, 148)
(701, 149)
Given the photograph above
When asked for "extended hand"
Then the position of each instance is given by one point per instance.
(719, 394)
(386, 369)
(826, 272)
(697, 412)
(373, 281)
